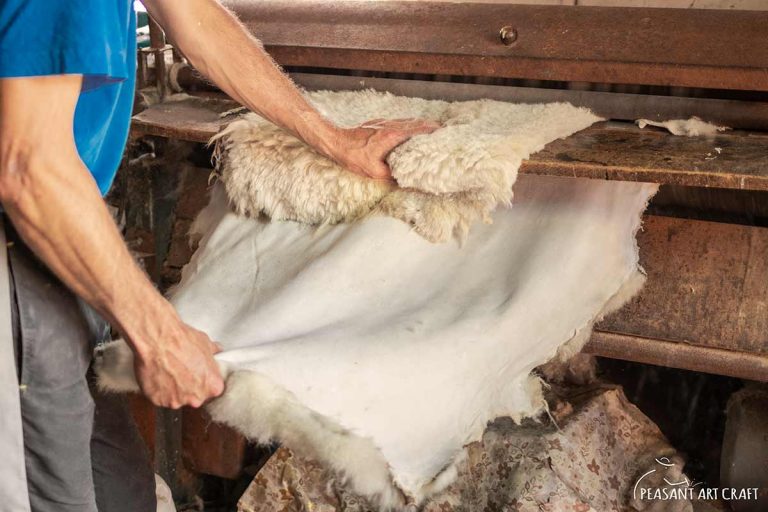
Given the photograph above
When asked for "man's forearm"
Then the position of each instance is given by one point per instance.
(57, 209)
(59, 213)
(219, 46)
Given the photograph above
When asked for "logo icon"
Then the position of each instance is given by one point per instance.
(666, 481)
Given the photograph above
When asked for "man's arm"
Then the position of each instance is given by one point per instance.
(56, 207)
(218, 45)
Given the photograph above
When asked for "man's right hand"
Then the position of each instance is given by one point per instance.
(180, 369)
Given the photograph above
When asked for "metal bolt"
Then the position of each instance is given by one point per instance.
(508, 35)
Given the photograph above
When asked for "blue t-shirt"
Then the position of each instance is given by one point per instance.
(94, 38)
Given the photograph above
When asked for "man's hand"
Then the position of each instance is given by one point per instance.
(180, 371)
(363, 150)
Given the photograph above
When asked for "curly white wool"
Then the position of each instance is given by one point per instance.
(447, 180)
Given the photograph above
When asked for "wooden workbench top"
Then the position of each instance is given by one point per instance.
(613, 151)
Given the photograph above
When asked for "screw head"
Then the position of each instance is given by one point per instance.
(508, 35)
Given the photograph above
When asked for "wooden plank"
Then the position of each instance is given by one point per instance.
(613, 151)
(190, 118)
(621, 151)
(707, 286)
(145, 416)
(670, 47)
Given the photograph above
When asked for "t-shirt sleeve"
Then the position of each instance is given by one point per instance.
(52, 37)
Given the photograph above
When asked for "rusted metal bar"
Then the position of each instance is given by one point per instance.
(679, 355)
(158, 48)
(668, 47)
(745, 115)
(738, 114)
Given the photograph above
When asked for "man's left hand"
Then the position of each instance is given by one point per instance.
(364, 149)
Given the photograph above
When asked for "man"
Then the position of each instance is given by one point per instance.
(66, 94)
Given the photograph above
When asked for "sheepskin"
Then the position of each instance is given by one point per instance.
(383, 354)
(364, 344)
(268, 171)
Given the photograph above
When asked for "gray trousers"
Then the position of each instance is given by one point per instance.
(82, 449)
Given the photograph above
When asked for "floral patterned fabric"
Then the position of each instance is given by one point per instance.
(587, 458)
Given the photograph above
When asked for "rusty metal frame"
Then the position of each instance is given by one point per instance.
(618, 45)
(157, 73)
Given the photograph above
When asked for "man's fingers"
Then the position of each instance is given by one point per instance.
(420, 128)
(401, 135)
(182, 377)
(416, 125)
(205, 389)
(167, 400)
(216, 391)
(390, 139)
(371, 142)
(217, 388)
(373, 123)
(213, 390)
(428, 127)
(396, 137)
(381, 171)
